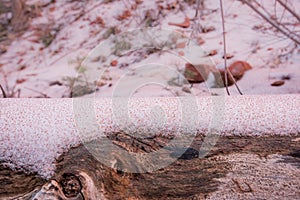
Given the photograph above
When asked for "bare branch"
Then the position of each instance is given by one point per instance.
(289, 9)
(3, 92)
(41, 93)
(197, 9)
(225, 57)
(224, 46)
(290, 32)
(270, 22)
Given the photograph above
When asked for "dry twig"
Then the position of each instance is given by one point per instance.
(271, 22)
(278, 22)
(225, 57)
(289, 9)
(3, 92)
(41, 93)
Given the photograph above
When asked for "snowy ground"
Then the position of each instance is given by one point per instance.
(86, 38)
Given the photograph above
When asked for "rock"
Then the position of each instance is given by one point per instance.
(184, 24)
(207, 29)
(238, 68)
(228, 56)
(21, 80)
(114, 63)
(278, 83)
(52, 83)
(212, 53)
(196, 74)
(220, 78)
(200, 73)
(126, 14)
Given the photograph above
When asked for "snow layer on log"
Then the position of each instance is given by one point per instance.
(34, 132)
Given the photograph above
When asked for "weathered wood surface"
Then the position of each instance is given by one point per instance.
(16, 184)
(264, 167)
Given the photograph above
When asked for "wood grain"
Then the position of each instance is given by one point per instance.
(235, 166)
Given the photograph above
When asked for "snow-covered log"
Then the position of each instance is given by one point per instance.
(151, 148)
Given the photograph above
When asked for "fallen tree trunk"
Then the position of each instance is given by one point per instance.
(262, 164)
(238, 167)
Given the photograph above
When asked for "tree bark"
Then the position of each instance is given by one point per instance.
(238, 167)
